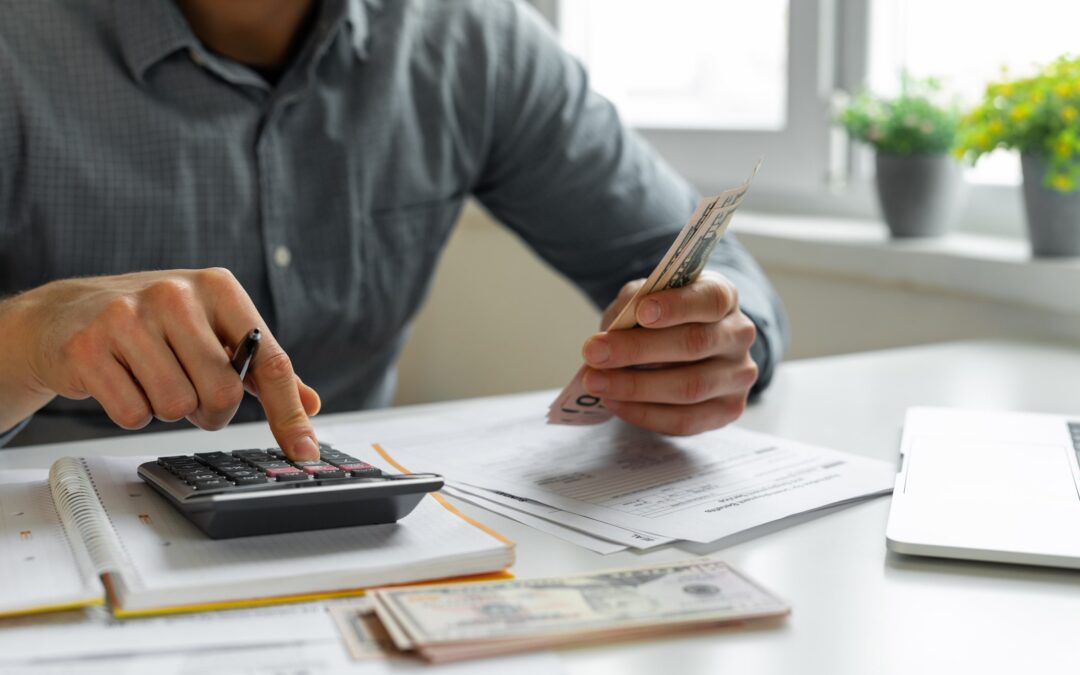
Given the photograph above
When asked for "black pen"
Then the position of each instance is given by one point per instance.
(245, 352)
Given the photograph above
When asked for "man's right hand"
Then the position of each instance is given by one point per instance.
(149, 344)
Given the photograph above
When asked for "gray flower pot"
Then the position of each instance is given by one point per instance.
(918, 193)
(1053, 218)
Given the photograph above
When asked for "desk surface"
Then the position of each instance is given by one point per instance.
(856, 607)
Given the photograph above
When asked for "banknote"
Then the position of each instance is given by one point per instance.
(682, 264)
(448, 622)
(365, 636)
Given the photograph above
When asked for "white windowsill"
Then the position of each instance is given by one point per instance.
(985, 267)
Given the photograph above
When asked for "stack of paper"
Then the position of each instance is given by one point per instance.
(610, 487)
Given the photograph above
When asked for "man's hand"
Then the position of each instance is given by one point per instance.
(151, 344)
(685, 368)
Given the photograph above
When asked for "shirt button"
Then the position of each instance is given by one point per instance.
(197, 58)
(282, 256)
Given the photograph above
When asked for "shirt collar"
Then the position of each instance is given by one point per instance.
(151, 30)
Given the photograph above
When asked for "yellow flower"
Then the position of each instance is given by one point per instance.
(996, 127)
(959, 152)
(1020, 112)
(1069, 113)
(1061, 182)
(982, 141)
(1006, 90)
(1062, 149)
(1062, 89)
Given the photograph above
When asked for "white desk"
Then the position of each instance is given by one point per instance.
(857, 609)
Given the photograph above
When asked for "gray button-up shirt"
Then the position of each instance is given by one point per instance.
(126, 145)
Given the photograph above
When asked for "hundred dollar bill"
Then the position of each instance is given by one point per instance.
(681, 265)
(454, 621)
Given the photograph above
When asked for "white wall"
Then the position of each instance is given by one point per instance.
(498, 320)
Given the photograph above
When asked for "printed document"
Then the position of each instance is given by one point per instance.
(700, 488)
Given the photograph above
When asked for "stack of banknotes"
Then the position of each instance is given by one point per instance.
(457, 621)
(681, 265)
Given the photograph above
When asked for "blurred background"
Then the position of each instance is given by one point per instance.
(825, 91)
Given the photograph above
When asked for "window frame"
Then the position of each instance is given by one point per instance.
(797, 156)
(810, 166)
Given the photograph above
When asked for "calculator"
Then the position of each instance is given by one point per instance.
(242, 493)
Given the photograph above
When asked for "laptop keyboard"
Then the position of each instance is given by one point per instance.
(1074, 431)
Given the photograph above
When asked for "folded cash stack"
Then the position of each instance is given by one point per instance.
(453, 622)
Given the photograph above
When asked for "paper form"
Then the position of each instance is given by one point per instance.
(583, 539)
(97, 634)
(312, 658)
(699, 488)
(638, 540)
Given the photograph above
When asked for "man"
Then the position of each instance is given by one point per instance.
(173, 174)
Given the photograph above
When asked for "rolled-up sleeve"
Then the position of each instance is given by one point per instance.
(588, 194)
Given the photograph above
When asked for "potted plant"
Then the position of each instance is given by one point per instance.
(918, 182)
(1040, 117)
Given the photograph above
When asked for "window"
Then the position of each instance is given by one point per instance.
(687, 74)
(714, 85)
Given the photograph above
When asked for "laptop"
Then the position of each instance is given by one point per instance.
(994, 486)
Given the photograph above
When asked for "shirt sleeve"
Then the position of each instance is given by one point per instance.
(588, 194)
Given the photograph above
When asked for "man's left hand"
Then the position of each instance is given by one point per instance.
(685, 368)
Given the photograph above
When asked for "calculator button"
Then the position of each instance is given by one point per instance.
(243, 473)
(253, 479)
(179, 463)
(329, 474)
(360, 469)
(211, 483)
(298, 476)
(316, 468)
(266, 466)
(283, 470)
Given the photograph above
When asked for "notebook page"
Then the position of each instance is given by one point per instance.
(38, 568)
(175, 563)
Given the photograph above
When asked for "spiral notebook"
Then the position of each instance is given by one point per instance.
(93, 533)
